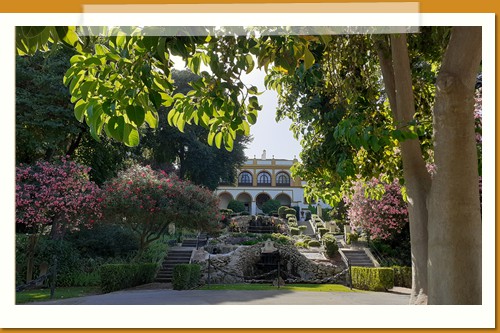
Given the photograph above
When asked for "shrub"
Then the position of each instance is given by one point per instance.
(244, 213)
(120, 276)
(402, 276)
(302, 228)
(147, 201)
(104, 240)
(291, 211)
(294, 231)
(352, 237)
(378, 208)
(60, 195)
(195, 275)
(281, 211)
(271, 205)
(330, 244)
(236, 206)
(282, 239)
(314, 243)
(291, 216)
(302, 244)
(320, 225)
(186, 276)
(273, 213)
(372, 278)
(322, 231)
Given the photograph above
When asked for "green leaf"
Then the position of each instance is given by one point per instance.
(308, 58)
(218, 139)
(121, 39)
(167, 100)
(250, 63)
(155, 98)
(252, 117)
(116, 126)
(151, 118)
(210, 139)
(92, 61)
(136, 114)
(170, 117)
(80, 108)
(130, 135)
(180, 124)
(228, 141)
(160, 49)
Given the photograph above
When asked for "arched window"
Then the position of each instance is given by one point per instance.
(282, 179)
(264, 179)
(245, 178)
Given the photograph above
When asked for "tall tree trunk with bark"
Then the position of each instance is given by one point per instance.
(445, 219)
(396, 72)
(454, 206)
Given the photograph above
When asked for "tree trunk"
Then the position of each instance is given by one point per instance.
(30, 256)
(454, 208)
(396, 72)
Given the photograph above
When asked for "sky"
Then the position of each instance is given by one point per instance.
(274, 137)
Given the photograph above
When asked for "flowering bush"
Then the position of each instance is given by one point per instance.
(147, 201)
(381, 218)
(59, 194)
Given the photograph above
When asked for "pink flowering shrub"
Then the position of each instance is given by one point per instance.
(381, 218)
(60, 195)
(147, 201)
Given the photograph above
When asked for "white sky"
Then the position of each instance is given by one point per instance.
(275, 137)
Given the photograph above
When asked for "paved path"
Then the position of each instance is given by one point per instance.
(399, 296)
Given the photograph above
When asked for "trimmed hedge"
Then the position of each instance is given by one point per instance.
(290, 211)
(186, 276)
(294, 231)
(281, 211)
(121, 276)
(352, 237)
(402, 276)
(372, 278)
(331, 246)
(322, 231)
(314, 243)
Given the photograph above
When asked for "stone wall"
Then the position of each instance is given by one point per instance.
(233, 266)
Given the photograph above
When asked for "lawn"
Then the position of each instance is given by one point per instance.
(293, 287)
(60, 293)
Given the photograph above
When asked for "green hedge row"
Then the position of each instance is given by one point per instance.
(402, 276)
(120, 276)
(186, 276)
(372, 278)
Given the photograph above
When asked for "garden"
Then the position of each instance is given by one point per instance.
(382, 119)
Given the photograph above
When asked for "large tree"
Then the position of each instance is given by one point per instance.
(195, 159)
(46, 128)
(119, 86)
(147, 201)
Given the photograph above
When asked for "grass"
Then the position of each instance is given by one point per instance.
(36, 295)
(292, 287)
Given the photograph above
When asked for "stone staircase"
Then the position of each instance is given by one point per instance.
(179, 255)
(175, 256)
(358, 257)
